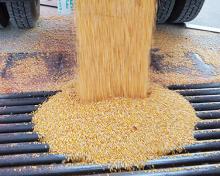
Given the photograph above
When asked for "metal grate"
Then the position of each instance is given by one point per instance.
(23, 154)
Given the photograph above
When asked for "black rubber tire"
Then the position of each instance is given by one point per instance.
(165, 7)
(4, 17)
(24, 13)
(185, 10)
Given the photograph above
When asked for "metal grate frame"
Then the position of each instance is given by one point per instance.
(23, 154)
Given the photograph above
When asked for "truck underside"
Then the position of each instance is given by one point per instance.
(25, 13)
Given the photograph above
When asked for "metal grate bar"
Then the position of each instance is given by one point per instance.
(208, 124)
(18, 149)
(56, 169)
(28, 94)
(184, 160)
(207, 135)
(203, 98)
(194, 86)
(21, 148)
(22, 101)
(16, 127)
(197, 92)
(208, 114)
(202, 147)
(31, 159)
(18, 137)
(206, 170)
(17, 109)
(206, 106)
(15, 118)
(61, 169)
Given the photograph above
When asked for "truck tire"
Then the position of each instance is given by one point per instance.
(4, 17)
(185, 10)
(24, 13)
(165, 8)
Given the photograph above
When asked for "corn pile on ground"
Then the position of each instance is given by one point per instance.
(119, 131)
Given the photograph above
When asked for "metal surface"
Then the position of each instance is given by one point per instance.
(210, 170)
(23, 101)
(18, 137)
(195, 86)
(7, 110)
(16, 127)
(28, 94)
(23, 154)
(15, 118)
(21, 148)
(205, 125)
(30, 159)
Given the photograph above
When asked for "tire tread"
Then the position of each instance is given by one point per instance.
(20, 13)
(165, 8)
(186, 10)
(4, 16)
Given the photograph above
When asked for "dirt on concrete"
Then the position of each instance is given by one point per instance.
(185, 56)
(44, 58)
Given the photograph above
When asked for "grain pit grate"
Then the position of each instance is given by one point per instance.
(23, 154)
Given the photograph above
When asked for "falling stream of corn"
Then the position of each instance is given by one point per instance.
(114, 40)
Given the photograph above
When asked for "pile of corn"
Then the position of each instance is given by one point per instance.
(112, 114)
(114, 40)
(120, 131)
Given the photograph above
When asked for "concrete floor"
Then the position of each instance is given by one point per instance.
(43, 58)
